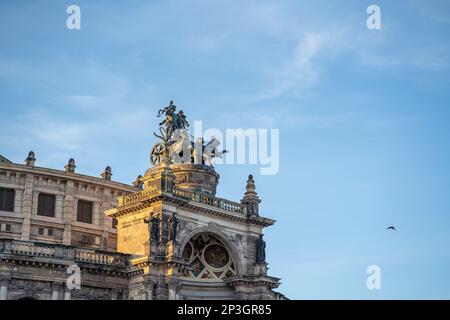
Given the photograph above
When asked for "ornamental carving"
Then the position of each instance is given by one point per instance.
(30, 287)
(91, 293)
(208, 257)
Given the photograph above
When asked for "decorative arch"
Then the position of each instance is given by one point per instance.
(225, 240)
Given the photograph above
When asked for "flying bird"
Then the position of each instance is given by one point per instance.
(391, 228)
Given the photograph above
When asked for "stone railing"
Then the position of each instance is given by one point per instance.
(199, 197)
(138, 196)
(210, 200)
(185, 194)
(32, 249)
(98, 257)
(59, 251)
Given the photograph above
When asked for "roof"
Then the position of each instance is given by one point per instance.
(3, 159)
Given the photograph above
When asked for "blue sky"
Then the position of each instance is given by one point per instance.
(363, 118)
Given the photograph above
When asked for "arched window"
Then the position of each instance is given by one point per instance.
(209, 258)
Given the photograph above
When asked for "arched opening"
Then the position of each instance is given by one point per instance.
(209, 258)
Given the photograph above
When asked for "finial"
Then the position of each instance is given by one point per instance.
(250, 188)
(29, 161)
(251, 199)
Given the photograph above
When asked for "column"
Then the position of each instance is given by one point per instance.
(56, 289)
(174, 285)
(149, 288)
(67, 294)
(4, 288)
(116, 294)
(161, 291)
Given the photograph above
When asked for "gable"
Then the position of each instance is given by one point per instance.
(3, 159)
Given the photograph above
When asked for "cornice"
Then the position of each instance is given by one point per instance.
(76, 177)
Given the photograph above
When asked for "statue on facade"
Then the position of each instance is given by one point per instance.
(30, 160)
(70, 166)
(260, 249)
(154, 229)
(173, 225)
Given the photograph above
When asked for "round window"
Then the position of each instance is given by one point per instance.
(216, 256)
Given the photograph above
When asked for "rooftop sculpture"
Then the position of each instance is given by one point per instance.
(176, 140)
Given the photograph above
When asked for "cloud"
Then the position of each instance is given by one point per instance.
(299, 72)
(82, 115)
(60, 135)
(304, 66)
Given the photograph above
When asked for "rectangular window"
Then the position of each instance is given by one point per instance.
(41, 231)
(84, 211)
(114, 223)
(50, 232)
(46, 205)
(87, 239)
(5, 227)
(7, 199)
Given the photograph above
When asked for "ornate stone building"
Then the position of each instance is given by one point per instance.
(167, 236)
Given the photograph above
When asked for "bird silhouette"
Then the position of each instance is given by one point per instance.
(391, 228)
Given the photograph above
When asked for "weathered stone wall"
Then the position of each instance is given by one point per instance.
(131, 263)
(25, 224)
(41, 271)
(134, 232)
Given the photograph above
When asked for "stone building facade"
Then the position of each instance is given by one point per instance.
(167, 236)
(38, 242)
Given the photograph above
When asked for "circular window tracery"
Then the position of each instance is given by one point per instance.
(216, 256)
(209, 259)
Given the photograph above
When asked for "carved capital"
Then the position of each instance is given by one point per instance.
(5, 281)
(174, 283)
(56, 286)
(150, 283)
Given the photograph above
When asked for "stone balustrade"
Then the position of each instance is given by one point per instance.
(199, 197)
(94, 256)
(210, 200)
(185, 193)
(59, 251)
(131, 198)
(32, 249)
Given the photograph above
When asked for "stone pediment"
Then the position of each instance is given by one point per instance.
(4, 160)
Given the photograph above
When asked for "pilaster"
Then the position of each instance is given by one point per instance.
(68, 211)
(27, 205)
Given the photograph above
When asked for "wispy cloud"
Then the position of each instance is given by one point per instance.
(80, 115)
(301, 71)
